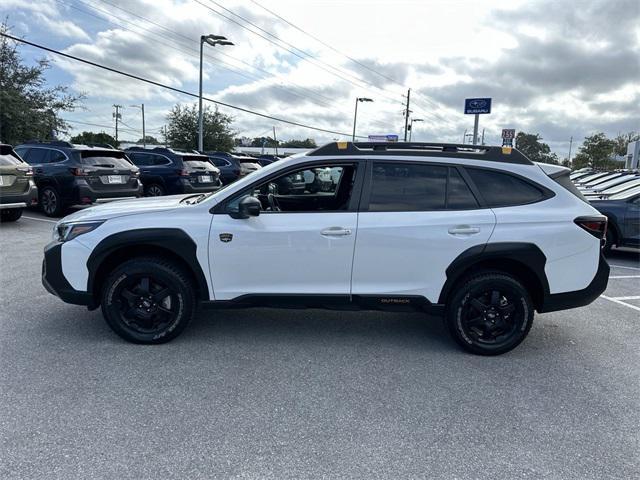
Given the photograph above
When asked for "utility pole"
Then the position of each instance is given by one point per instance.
(117, 115)
(275, 139)
(570, 145)
(165, 136)
(406, 115)
(144, 135)
(475, 128)
(464, 135)
(482, 141)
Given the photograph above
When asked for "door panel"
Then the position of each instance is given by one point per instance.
(407, 253)
(632, 223)
(282, 253)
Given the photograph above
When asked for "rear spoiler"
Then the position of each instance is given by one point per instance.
(553, 171)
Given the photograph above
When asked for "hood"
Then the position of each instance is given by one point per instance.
(120, 208)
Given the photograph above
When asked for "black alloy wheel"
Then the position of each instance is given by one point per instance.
(148, 300)
(491, 314)
(51, 202)
(154, 191)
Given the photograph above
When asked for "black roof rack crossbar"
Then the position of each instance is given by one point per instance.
(423, 149)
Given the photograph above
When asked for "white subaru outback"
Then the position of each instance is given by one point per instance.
(477, 234)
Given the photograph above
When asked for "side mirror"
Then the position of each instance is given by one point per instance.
(248, 206)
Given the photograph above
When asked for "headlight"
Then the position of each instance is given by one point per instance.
(68, 231)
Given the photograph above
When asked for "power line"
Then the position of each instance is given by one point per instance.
(307, 58)
(174, 89)
(318, 98)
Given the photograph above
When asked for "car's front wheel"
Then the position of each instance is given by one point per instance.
(10, 214)
(148, 300)
(490, 313)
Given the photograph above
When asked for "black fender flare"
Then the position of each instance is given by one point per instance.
(528, 255)
(173, 239)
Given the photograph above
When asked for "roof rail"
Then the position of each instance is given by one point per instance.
(424, 149)
(53, 143)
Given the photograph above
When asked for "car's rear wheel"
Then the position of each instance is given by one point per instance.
(148, 300)
(154, 190)
(610, 240)
(51, 202)
(10, 214)
(490, 313)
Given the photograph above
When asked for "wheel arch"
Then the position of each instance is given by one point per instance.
(525, 261)
(167, 243)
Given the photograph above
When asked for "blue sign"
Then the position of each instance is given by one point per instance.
(475, 106)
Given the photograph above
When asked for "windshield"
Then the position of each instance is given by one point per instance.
(6, 160)
(105, 160)
(197, 164)
(626, 194)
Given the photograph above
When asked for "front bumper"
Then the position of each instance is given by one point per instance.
(54, 280)
(21, 200)
(579, 298)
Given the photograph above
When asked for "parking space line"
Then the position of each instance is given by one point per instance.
(39, 219)
(637, 297)
(624, 276)
(624, 266)
(620, 302)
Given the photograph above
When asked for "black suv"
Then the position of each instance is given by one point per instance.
(233, 166)
(170, 171)
(68, 174)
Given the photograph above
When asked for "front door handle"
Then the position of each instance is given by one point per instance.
(464, 230)
(335, 232)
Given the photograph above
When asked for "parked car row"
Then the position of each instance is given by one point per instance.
(59, 174)
(615, 194)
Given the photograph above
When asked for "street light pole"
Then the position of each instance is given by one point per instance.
(411, 126)
(212, 40)
(355, 115)
(144, 134)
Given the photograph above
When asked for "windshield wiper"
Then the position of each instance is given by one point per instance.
(106, 165)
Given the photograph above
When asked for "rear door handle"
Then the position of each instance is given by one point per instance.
(335, 232)
(464, 230)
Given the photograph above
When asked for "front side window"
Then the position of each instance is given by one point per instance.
(503, 190)
(325, 188)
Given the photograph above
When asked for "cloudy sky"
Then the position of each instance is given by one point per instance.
(559, 68)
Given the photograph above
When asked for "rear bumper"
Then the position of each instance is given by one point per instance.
(188, 187)
(84, 192)
(54, 280)
(579, 298)
(28, 198)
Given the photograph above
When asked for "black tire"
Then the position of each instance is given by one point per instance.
(132, 308)
(51, 202)
(154, 190)
(610, 240)
(10, 214)
(489, 313)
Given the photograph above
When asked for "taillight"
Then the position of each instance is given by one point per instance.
(182, 172)
(596, 226)
(79, 172)
(28, 171)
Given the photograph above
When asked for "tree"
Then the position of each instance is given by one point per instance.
(86, 138)
(264, 142)
(596, 152)
(623, 140)
(182, 131)
(29, 109)
(532, 147)
(149, 140)
(306, 143)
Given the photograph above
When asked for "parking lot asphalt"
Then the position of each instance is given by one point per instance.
(266, 393)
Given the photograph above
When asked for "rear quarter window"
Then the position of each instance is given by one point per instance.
(502, 189)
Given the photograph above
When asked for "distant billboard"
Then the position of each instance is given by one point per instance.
(383, 138)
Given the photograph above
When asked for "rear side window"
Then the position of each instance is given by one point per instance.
(141, 160)
(160, 160)
(38, 156)
(418, 187)
(56, 156)
(502, 190)
(564, 180)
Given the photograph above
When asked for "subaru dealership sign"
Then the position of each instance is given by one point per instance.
(475, 106)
